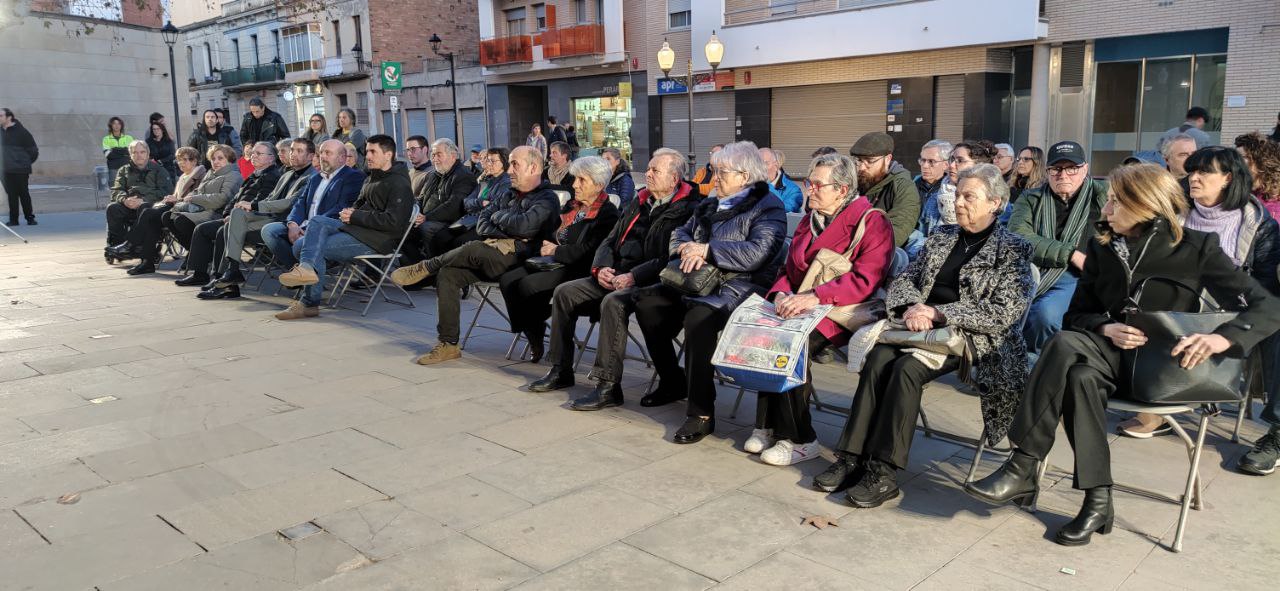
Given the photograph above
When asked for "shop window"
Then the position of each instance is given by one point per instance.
(679, 14)
(603, 122)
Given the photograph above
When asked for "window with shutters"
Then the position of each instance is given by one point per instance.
(782, 7)
(515, 21)
(362, 109)
(679, 14)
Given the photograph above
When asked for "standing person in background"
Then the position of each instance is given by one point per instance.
(1028, 173)
(555, 133)
(209, 134)
(261, 124)
(115, 146)
(163, 149)
(1197, 118)
(317, 130)
(223, 117)
(536, 140)
(348, 133)
(571, 138)
(622, 184)
(18, 152)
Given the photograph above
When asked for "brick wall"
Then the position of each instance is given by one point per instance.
(148, 13)
(400, 30)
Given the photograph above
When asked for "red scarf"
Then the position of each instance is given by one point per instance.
(569, 217)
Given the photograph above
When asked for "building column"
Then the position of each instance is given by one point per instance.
(1038, 123)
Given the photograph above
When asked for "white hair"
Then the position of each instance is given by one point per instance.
(1166, 149)
(745, 157)
(679, 164)
(448, 146)
(1007, 148)
(139, 144)
(592, 167)
(944, 148)
(992, 180)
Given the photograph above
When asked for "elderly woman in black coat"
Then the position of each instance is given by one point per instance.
(741, 232)
(1141, 237)
(584, 222)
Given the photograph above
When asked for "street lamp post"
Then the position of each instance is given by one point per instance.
(435, 42)
(170, 35)
(667, 59)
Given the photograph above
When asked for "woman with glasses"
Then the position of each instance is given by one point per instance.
(317, 130)
(1028, 172)
(974, 276)
(1142, 236)
(784, 433)
(939, 207)
(741, 233)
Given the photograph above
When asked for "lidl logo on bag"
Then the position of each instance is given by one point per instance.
(781, 361)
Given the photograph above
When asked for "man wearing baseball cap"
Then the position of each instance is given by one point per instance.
(1057, 219)
(887, 184)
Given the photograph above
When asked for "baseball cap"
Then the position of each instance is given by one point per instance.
(1068, 151)
(876, 143)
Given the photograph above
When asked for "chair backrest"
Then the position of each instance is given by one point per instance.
(615, 200)
(564, 197)
(408, 228)
(793, 222)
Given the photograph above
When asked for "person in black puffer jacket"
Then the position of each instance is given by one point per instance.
(442, 196)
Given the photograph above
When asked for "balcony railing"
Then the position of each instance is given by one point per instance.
(515, 49)
(253, 75)
(573, 41)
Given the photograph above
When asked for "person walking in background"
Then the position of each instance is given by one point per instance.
(317, 130)
(18, 152)
(536, 140)
(571, 138)
(1197, 118)
(555, 133)
(163, 148)
(348, 133)
(115, 146)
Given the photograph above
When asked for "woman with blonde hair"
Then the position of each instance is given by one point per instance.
(1141, 236)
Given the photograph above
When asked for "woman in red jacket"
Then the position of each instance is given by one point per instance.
(784, 434)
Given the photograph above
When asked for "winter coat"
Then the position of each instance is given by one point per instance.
(354, 137)
(896, 194)
(1258, 245)
(341, 192)
(996, 287)
(623, 186)
(1106, 283)
(442, 194)
(273, 128)
(583, 238)
(537, 142)
(164, 152)
(383, 210)
(202, 140)
(1049, 251)
(871, 259)
(924, 188)
(487, 192)
(212, 194)
(277, 204)
(745, 240)
(529, 217)
(705, 179)
(18, 149)
(789, 192)
(640, 243)
(150, 182)
(116, 149)
(188, 182)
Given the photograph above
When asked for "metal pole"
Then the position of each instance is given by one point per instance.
(457, 115)
(693, 154)
(177, 117)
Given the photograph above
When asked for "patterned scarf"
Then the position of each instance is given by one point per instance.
(577, 212)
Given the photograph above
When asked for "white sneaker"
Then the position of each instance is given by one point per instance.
(760, 440)
(785, 453)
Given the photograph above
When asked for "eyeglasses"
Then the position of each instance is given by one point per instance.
(1026, 159)
(1065, 170)
(257, 153)
(415, 148)
(959, 160)
(815, 186)
(930, 162)
(868, 162)
(724, 171)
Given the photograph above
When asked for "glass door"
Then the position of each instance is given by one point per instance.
(1115, 114)
(1166, 96)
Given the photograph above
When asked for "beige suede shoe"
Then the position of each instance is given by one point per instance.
(298, 276)
(441, 353)
(410, 274)
(297, 311)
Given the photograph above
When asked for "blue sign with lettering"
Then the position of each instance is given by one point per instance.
(672, 86)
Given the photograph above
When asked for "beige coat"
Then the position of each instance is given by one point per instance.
(213, 193)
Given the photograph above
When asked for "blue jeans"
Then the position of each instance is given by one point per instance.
(1270, 350)
(276, 236)
(1044, 319)
(323, 242)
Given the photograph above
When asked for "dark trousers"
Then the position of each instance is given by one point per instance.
(528, 298)
(456, 269)
(787, 413)
(17, 187)
(119, 220)
(882, 421)
(450, 238)
(585, 297)
(148, 230)
(204, 245)
(662, 312)
(418, 245)
(1075, 376)
(181, 228)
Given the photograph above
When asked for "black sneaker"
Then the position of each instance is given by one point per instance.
(1265, 455)
(878, 484)
(840, 475)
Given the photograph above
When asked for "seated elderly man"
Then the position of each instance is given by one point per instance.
(511, 233)
(786, 189)
(249, 217)
(326, 194)
(447, 184)
(630, 257)
(375, 224)
(138, 184)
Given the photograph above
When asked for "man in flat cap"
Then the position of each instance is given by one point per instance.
(887, 184)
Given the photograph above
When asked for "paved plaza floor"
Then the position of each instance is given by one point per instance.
(149, 440)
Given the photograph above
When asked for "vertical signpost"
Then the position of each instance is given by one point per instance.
(393, 81)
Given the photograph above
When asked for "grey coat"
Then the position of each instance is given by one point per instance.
(996, 287)
(212, 194)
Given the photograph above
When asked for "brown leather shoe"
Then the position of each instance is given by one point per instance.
(297, 311)
(298, 276)
(441, 353)
(410, 274)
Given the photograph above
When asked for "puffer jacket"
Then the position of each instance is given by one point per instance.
(202, 140)
(745, 241)
(995, 292)
(382, 211)
(623, 186)
(18, 149)
(211, 195)
(150, 182)
(443, 193)
(529, 218)
(1258, 247)
(490, 190)
(640, 243)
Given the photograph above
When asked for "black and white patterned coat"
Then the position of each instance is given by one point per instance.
(996, 287)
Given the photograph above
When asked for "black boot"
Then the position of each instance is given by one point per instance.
(670, 389)
(143, 268)
(31, 221)
(1014, 481)
(556, 379)
(606, 394)
(231, 276)
(1096, 515)
(536, 347)
(193, 280)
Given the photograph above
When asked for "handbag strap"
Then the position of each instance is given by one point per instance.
(1135, 301)
(860, 231)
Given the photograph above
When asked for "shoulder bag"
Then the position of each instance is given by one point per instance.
(829, 265)
(703, 282)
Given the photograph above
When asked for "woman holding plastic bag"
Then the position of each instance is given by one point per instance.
(973, 282)
(842, 224)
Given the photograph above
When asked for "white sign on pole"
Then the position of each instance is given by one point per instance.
(395, 103)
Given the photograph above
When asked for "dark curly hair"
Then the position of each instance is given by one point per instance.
(980, 151)
(1264, 155)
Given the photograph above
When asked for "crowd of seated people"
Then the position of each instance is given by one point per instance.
(1025, 255)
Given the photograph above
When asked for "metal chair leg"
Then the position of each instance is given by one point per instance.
(733, 414)
(1193, 478)
(584, 345)
(977, 456)
(512, 349)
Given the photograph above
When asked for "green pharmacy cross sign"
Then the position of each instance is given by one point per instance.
(391, 79)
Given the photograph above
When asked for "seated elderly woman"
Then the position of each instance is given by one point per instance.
(836, 214)
(974, 276)
(146, 234)
(584, 222)
(212, 193)
(740, 232)
(1142, 237)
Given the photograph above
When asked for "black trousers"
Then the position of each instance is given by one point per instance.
(662, 312)
(612, 308)
(528, 298)
(882, 421)
(1075, 376)
(181, 228)
(456, 269)
(148, 230)
(787, 413)
(205, 244)
(16, 185)
(119, 220)
(450, 238)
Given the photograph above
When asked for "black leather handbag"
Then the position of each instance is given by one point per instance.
(1155, 376)
(703, 282)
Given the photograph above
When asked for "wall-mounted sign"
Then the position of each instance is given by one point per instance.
(672, 86)
(1235, 101)
(703, 82)
(895, 88)
(391, 76)
(894, 106)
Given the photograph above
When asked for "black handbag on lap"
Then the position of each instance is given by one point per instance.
(703, 282)
(1155, 376)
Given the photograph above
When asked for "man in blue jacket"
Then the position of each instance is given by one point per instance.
(326, 194)
(786, 189)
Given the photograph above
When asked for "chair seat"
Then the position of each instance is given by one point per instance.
(1155, 409)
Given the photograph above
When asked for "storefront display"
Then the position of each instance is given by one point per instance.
(603, 122)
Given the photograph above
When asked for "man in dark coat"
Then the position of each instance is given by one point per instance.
(208, 134)
(261, 124)
(440, 200)
(18, 152)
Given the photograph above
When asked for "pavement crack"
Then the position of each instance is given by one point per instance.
(365, 484)
(33, 528)
(184, 534)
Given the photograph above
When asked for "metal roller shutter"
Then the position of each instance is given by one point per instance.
(713, 116)
(948, 118)
(443, 121)
(418, 122)
(472, 129)
(806, 118)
